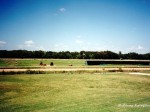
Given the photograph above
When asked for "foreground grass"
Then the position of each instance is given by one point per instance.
(74, 93)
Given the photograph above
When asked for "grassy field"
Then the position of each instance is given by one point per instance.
(36, 62)
(109, 92)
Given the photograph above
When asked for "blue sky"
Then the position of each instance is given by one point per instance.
(75, 25)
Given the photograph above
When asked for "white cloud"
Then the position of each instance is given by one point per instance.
(29, 43)
(2, 43)
(62, 9)
(140, 47)
(79, 41)
(136, 48)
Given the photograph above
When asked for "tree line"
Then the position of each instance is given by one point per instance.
(72, 55)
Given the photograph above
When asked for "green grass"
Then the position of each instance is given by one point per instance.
(6, 62)
(74, 92)
(36, 62)
(57, 62)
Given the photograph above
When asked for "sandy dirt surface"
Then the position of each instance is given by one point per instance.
(77, 69)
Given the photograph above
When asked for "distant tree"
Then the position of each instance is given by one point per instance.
(72, 55)
(91, 56)
(75, 55)
(49, 54)
(4, 54)
(120, 55)
(147, 56)
(39, 54)
(106, 55)
(82, 54)
(133, 55)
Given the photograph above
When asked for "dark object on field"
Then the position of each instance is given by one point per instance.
(41, 64)
(51, 64)
(118, 62)
(16, 63)
(44, 65)
(70, 65)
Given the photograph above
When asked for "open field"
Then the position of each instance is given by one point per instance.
(36, 62)
(24, 63)
(32, 66)
(76, 88)
(109, 92)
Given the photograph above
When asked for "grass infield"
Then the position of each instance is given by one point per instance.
(74, 92)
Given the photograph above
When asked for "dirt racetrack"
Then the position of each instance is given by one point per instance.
(77, 69)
